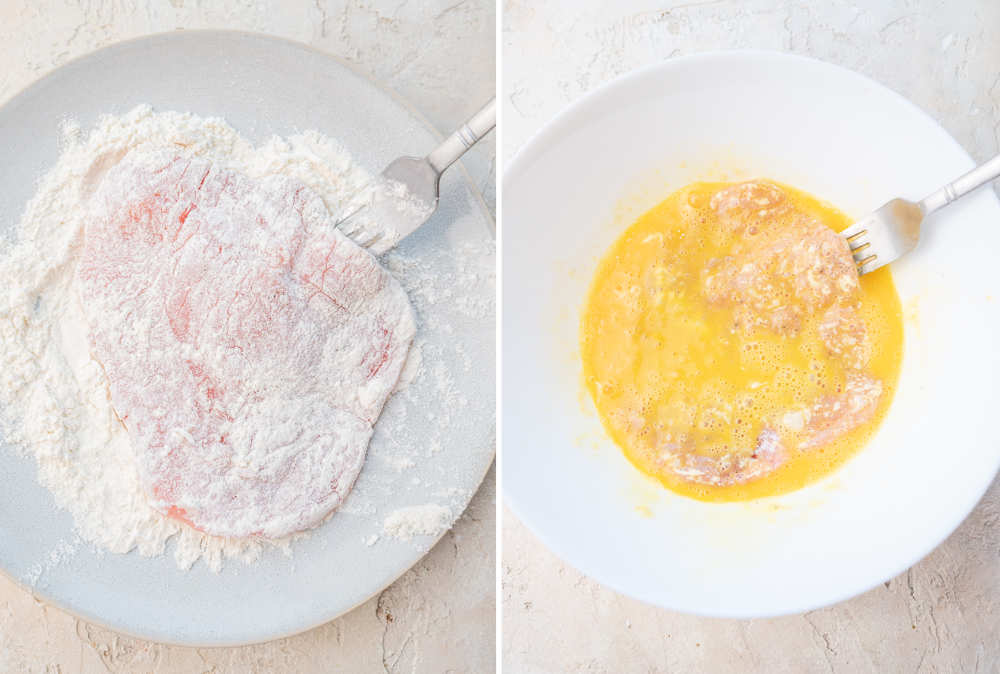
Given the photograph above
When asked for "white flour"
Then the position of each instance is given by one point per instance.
(53, 395)
(422, 520)
(248, 344)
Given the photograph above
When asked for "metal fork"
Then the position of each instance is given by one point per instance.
(406, 193)
(888, 233)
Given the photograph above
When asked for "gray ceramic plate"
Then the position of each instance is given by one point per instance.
(265, 86)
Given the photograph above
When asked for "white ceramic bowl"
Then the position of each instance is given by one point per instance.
(572, 190)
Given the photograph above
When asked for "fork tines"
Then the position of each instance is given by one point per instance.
(858, 245)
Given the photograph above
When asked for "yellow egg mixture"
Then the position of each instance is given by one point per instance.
(730, 347)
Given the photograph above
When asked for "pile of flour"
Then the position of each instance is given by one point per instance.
(54, 400)
(429, 519)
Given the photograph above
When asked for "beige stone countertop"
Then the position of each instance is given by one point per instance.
(943, 615)
(438, 54)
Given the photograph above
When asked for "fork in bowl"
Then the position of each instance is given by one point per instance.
(894, 229)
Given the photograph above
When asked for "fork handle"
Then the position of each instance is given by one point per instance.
(467, 135)
(959, 188)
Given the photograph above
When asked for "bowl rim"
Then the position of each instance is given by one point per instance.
(537, 144)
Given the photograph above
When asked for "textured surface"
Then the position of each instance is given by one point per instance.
(439, 615)
(941, 615)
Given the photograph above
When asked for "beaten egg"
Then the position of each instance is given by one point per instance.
(730, 347)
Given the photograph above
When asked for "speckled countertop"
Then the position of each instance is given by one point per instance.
(943, 615)
(439, 54)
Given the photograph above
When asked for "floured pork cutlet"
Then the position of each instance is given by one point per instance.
(778, 275)
(248, 345)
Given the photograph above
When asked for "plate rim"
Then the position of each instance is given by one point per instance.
(474, 192)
